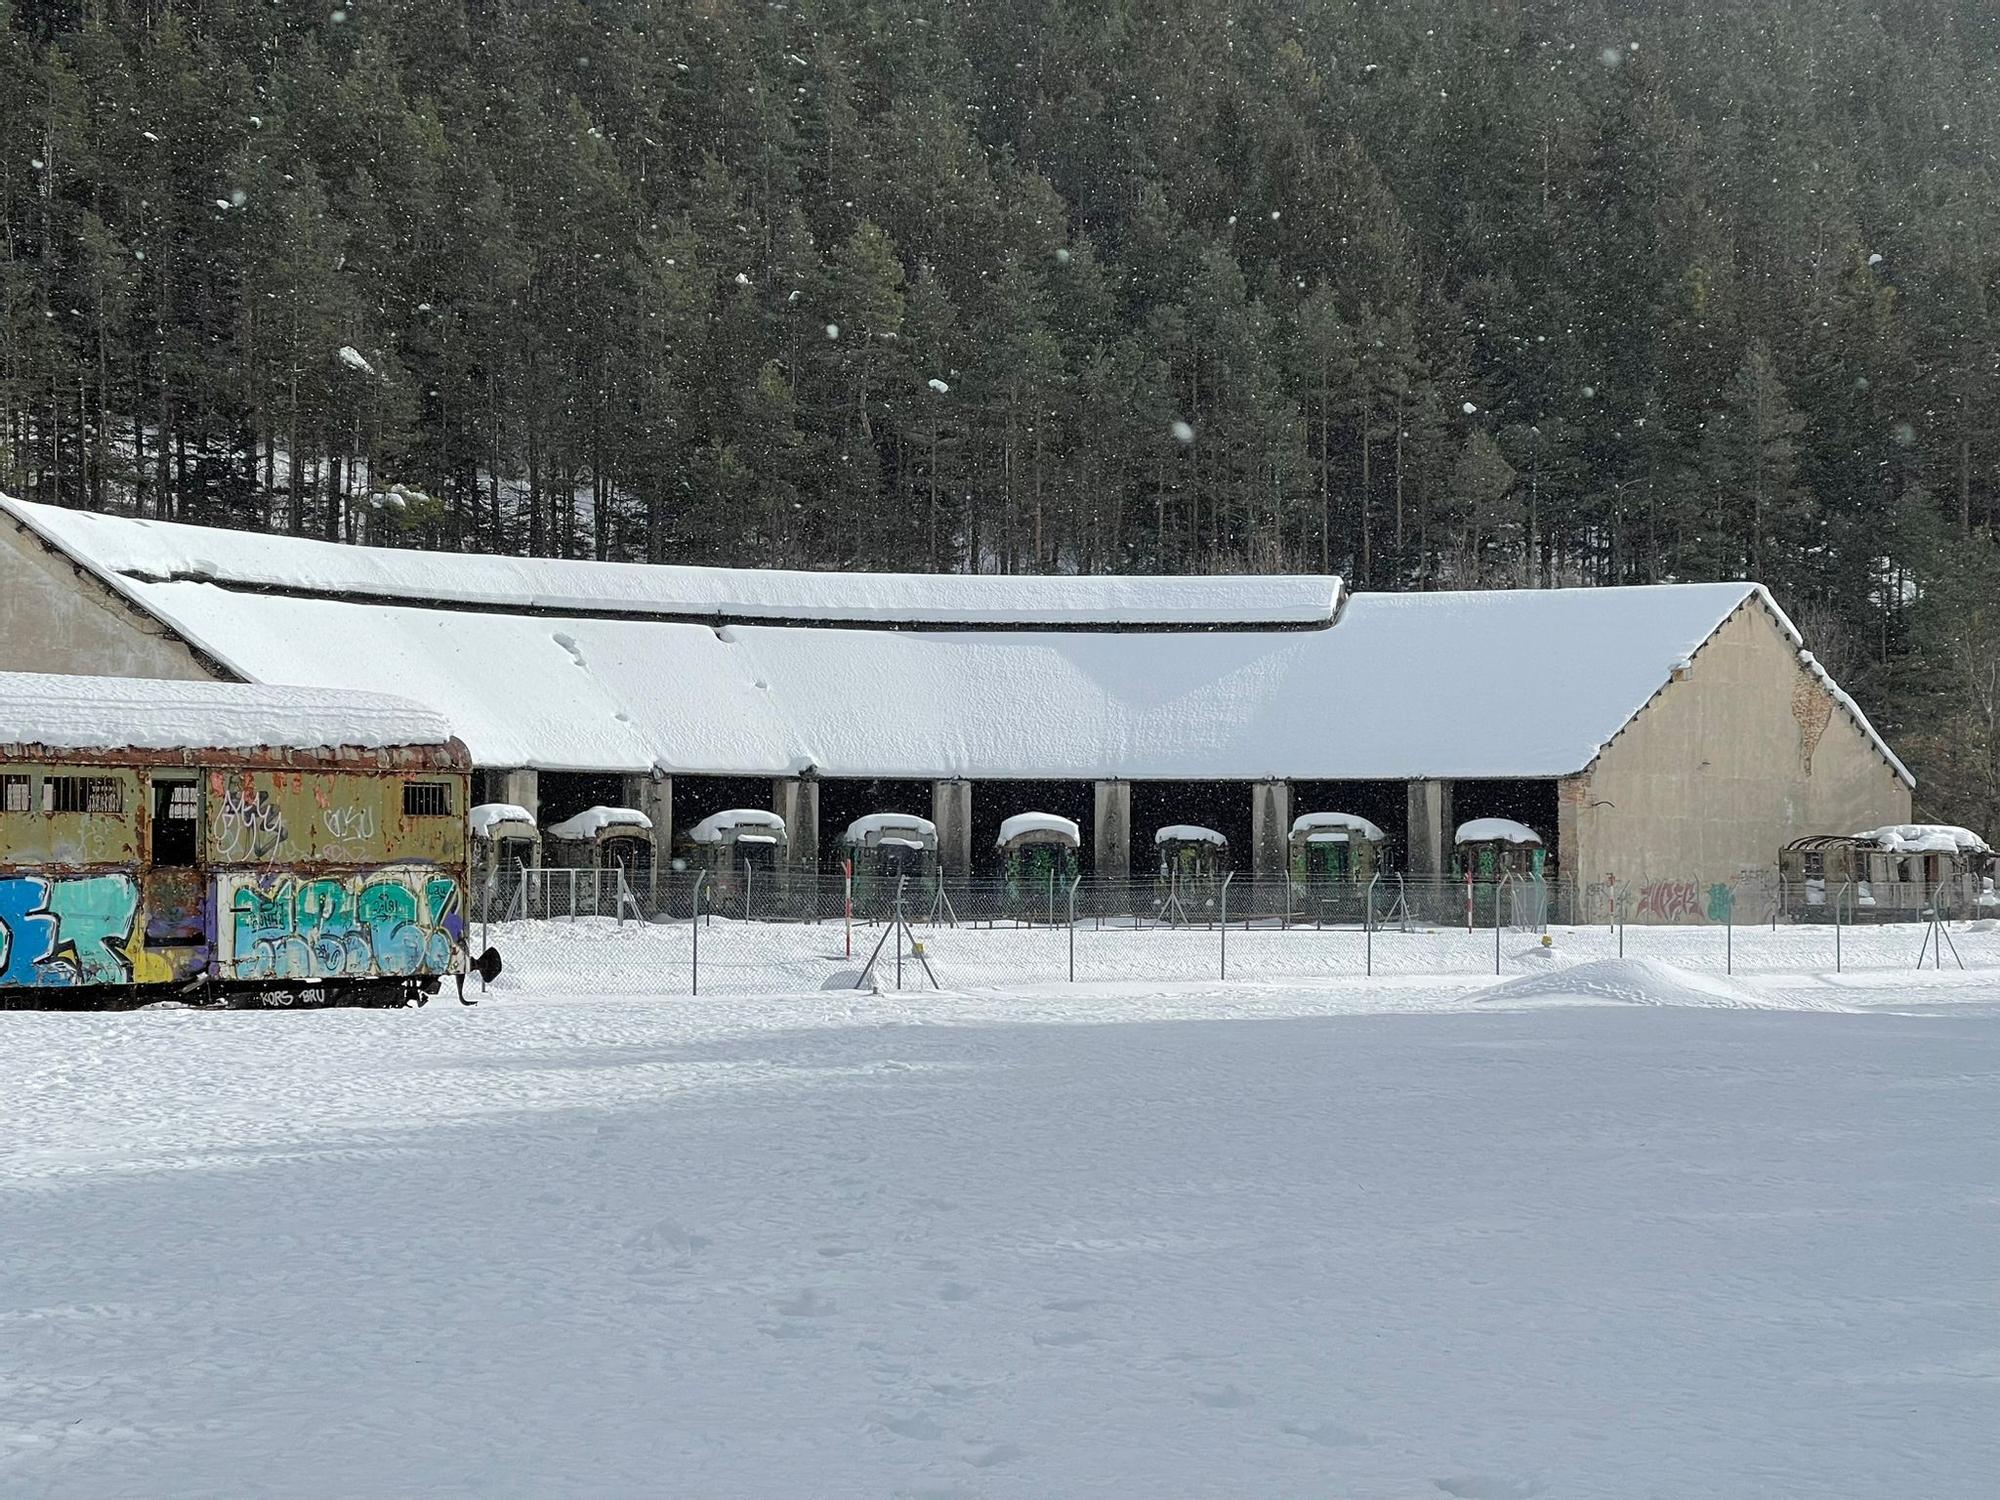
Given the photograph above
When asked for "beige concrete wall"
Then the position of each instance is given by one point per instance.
(53, 619)
(1745, 752)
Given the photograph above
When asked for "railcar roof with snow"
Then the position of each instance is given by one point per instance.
(129, 713)
(618, 668)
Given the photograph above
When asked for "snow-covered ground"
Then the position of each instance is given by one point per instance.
(1601, 1230)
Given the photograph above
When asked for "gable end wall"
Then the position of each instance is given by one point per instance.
(56, 617)
(1741, 754)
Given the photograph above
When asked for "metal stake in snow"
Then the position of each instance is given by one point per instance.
(694, 983)
(1368, 925)
(1072, 927)
(847, 900)
(1225, 922)
(1839, 896)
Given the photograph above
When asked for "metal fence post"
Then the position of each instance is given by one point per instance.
(1839, 896)
(1498, 891)
(1225, 922)
(1729, 933)
(749, 885)
(1368, 926)
(901, 927)
(1072, 927)
(694, 930)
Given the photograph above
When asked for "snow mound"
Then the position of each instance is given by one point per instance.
(1626, 981)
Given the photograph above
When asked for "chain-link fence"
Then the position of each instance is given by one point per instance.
(767, 933)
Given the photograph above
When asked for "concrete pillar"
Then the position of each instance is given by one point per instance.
(796, 800)
(1270, 829)
(1430, 831)
(656, 800)
(951, 810)
(522, 788)
(1111, 832)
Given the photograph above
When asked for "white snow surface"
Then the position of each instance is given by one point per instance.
(141, 550)
(1349, 1238)
(1188, 833)
(719, 827)
(1926, 838)
(1561, 669)
(904, 827)
(487, 816)
(592, 821)
(116, 713)
(1037, 822)
(1312, 825)
(1482, 830)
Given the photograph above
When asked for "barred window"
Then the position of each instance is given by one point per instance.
(17, 794)
(98, 794)
(426, 799)
(185, 802)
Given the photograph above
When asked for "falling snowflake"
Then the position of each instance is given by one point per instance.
(939, 386)
(1182, 432)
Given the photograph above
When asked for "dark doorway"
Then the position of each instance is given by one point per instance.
(995, 801)
(842, 800)
(564, 794)
(1386, 804)
(1221, 805)
(176, 824)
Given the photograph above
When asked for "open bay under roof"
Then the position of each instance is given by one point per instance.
(1010, 678)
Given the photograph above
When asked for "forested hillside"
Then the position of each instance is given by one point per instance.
(1433, 293)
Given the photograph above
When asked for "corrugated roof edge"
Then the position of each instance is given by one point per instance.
(1296, 602)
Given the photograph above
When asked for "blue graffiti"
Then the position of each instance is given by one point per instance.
(58, 931)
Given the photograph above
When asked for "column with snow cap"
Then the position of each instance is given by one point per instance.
(1111, 852)
(1270, 828)
(653, 795)
(951, 810)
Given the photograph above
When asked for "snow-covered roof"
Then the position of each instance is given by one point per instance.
(1496, 830)
(1053, 824)
(1451, 685)
(902, 828)
(488, 816)
(161, 551)
(738, 825)
(137, 713)
(1188, 833)
(593, 821)
(1334, 827)
(1925, 838)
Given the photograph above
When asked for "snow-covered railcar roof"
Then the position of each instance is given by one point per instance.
(161, 551)
(138, 713)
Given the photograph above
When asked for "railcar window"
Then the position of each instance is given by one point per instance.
(98, 794)
(17, 794)
(426, 799)
(176, 822)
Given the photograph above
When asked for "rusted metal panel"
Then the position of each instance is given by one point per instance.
(74, 839)
(318, 819)
(304, 869)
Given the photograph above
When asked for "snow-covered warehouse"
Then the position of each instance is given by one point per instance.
(1663, 731)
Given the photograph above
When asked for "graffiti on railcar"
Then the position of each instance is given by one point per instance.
(67, 930)
(246, 824)
(390, 922)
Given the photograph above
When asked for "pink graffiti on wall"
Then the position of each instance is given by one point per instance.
(1670, 901)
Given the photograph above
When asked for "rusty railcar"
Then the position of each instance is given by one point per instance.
(221, 842)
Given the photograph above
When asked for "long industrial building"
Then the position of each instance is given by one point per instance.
(1675, 730)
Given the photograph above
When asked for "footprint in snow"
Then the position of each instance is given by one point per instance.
(917, 1425)
(1488, 1487)
(957, 1291)
(1223, 1397)
(1067, 1338)
(808, 1304)
(992, 1455)
(1327, 1434)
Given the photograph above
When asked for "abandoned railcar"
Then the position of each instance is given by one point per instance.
(1900, 872)
(220, 841)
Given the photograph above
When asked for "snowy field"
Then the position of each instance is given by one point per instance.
(1597, 1231)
